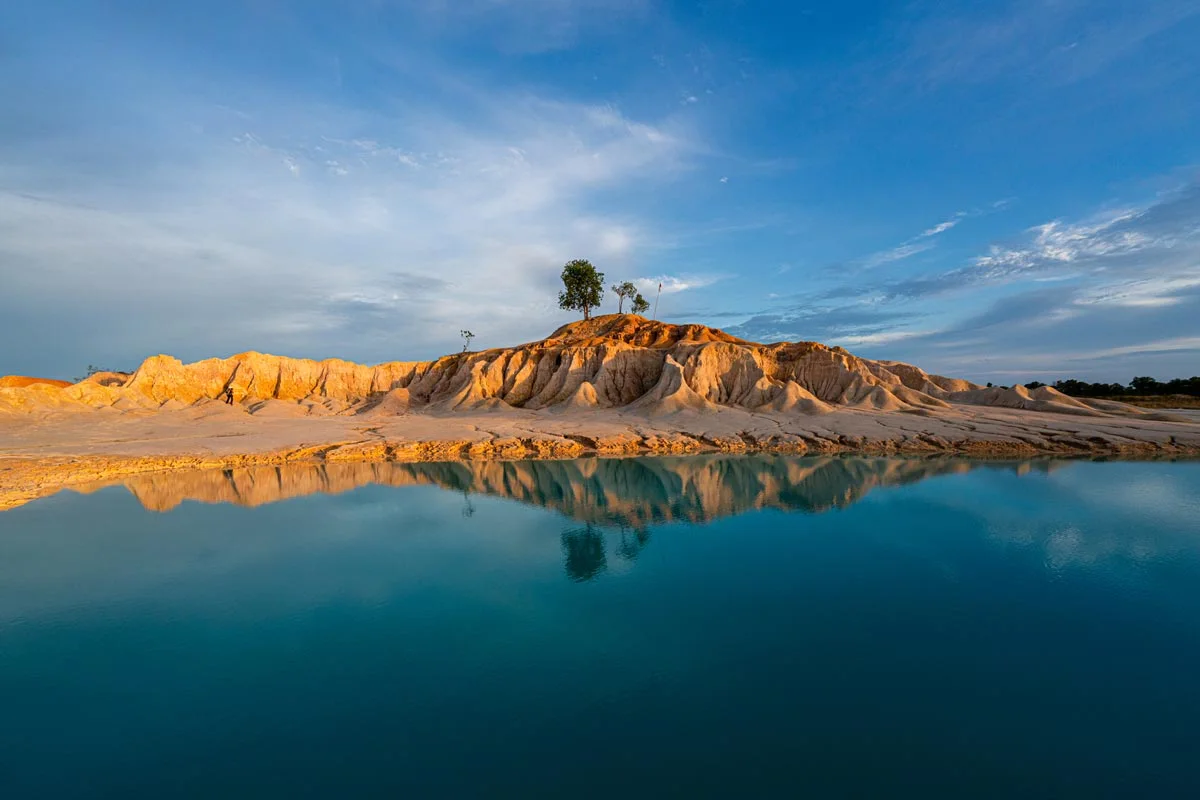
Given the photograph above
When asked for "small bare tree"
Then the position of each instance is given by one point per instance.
(467, 336)
(623, 290)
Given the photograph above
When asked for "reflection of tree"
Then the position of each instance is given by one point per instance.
(583, 551)
(468, 507)
(632, 543)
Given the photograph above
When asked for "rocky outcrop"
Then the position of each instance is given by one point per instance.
(610, 362)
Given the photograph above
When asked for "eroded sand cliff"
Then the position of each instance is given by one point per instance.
(614, 361)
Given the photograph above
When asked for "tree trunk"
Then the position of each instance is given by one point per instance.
(587, 312)
(620, 303)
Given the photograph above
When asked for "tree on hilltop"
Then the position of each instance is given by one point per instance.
(640, 304)
(583, 287)
(623, 290)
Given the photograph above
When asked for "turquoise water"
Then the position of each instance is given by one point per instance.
(722, 627)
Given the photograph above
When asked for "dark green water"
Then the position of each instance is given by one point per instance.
(718, 627)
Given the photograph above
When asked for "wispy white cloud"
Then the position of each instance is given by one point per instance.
(1145, 292)
(1110, 248)
(672, 284)
(1061, 361)
(1156, 346)
(884, 337)
(899, 253)
(849, 325)
(304, 240)
(942, 227)
(922, 242)
(1056, 242)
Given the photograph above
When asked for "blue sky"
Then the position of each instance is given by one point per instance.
(999, 190)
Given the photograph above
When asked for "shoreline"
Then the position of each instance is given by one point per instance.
(37, 460)
(24, 480)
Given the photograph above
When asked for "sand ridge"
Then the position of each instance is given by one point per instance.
(610, 362)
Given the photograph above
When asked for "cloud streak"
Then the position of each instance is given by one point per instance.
(923, 241)
(673, 284)
(942, 227)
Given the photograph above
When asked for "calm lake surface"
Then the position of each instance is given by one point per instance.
(708, 626)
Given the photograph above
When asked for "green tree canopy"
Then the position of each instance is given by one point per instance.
(583, 287)
(623, 290)
(640, 304)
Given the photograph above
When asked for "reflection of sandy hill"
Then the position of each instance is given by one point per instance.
(613, 361)
(632, 492)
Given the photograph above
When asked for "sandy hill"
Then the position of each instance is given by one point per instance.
(21, 381)
(618, 361)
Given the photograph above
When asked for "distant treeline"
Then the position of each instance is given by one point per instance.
(1142, 386)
